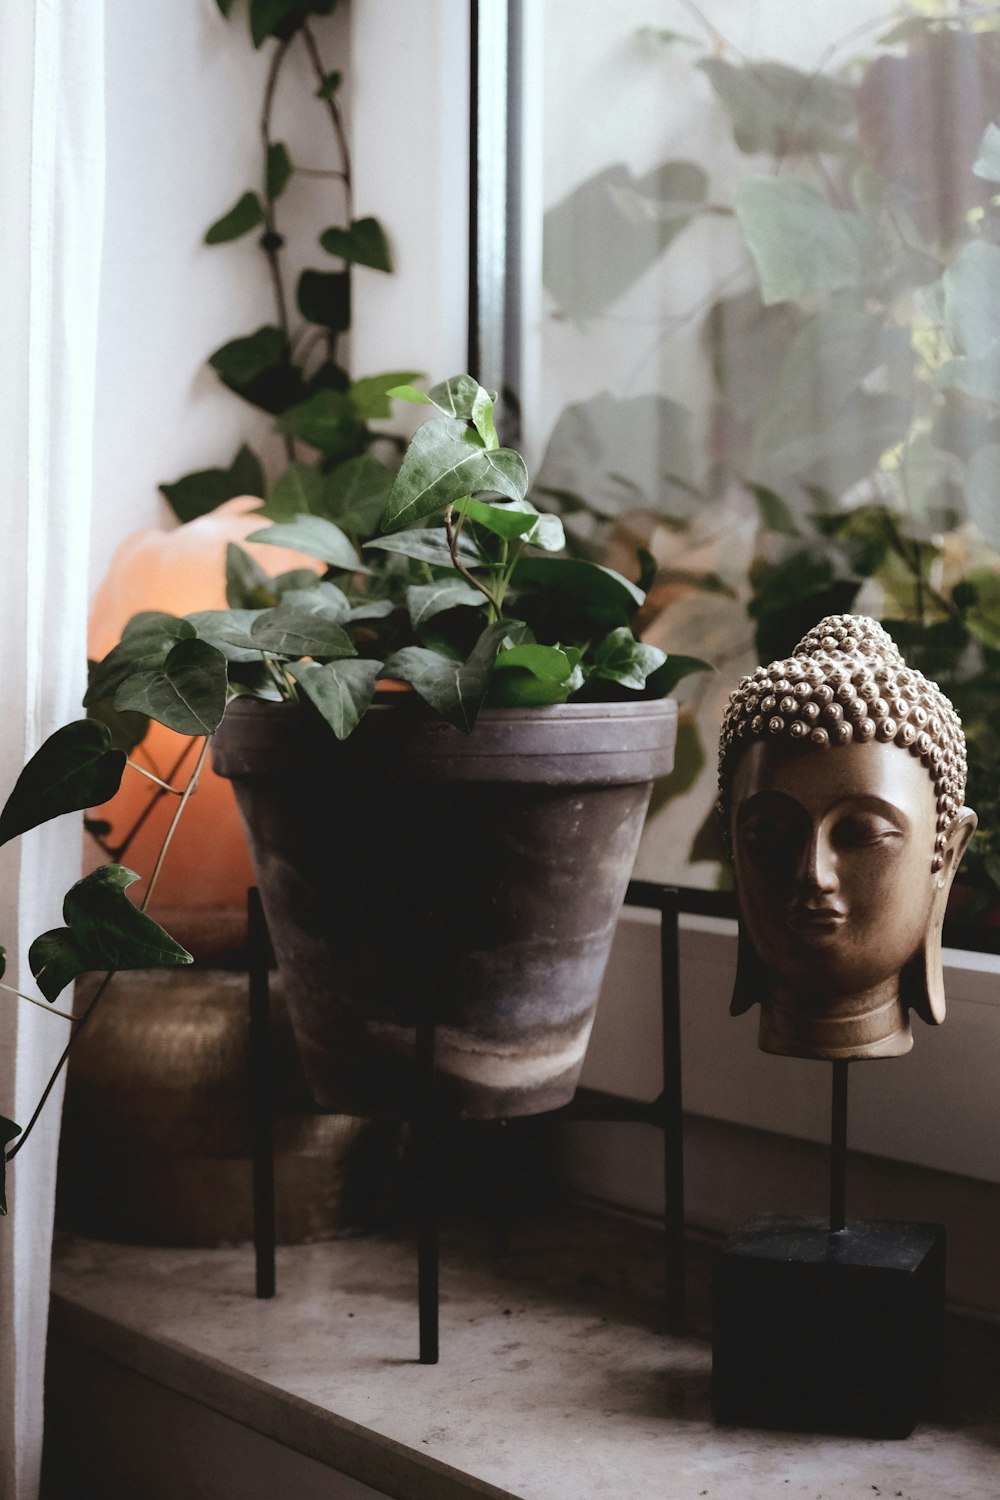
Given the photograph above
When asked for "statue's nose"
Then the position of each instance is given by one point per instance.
(817, 868)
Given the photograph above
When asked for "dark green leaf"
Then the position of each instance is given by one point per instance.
(331, 83)
(279, 169)
(103, 931)
(340, 690)
(324, 297)
(126, 730)
(258, 368)
(241, 218)
(74, 769)
(426, 600)
(774, 513)
(521, 688)
(228, 630)
(364, 244)
(600, 239)
(502, 520)
(274, 17)
(372, 609)
(776, 109)
(455, 690)
(588, 582)
(327, 421)
(298, 491)
(546, 662)
(247, 585)
(370, 396)
(146, 642)
(225, 6)
(429, 544)
(187, 693)
(355, 493)
(663, 679)
(621, 658)
(442, 466)
(316, 537)
(197, 494)
(8, 1130)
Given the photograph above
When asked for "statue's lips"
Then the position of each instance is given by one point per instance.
(816, 921)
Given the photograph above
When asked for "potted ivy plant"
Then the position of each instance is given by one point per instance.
(458, 849)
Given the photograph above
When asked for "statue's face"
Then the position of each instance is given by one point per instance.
(833, 851)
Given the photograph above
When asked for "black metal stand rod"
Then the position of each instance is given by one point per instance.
(838, 1148)
(673, 1112)
(261, 1097)
(427, 1191)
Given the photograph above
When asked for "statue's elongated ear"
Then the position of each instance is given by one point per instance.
(926, 994)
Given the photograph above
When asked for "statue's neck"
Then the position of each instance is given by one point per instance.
(871, 1023)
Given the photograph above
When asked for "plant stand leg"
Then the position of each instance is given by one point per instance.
(672, 1112)
(427, 1191)
(261, 1096)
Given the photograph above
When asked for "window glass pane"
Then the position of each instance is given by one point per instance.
(767, 349)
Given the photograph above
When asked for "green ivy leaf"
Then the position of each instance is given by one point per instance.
(331, 83)
(187, 693)
(74, 769)
(103, 931)
(241, 218)
(298, 491)
(197, 494)
(146, 642)
(502, 520)
(279, 169)
(228, 630)
(324, 297)
(442, 466)
(316, 537)
(258, 367)
(327, 421)
(363, 244)
(455, 690)
(774, 513)
(8, 1130)
(801, 244)
(409, 393)
(370, 397)
(550, 663)
(355, 494)
(665, 678)
(340, 690)
(430, 545)
(247, 585)
(425, 600)
(588, 583)
(621, 658)
(306, 623)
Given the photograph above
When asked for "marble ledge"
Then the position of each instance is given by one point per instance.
(554, 1381)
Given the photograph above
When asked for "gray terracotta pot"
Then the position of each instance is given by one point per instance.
(414, 867)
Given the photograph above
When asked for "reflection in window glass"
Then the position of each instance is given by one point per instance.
(768, 350)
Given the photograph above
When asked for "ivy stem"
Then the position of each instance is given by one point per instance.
(118, 852)
(336, 117)
(188, 792)
(42, 1004)
(452, 535)
(155, 779)
(78, 1022)
(271, 240)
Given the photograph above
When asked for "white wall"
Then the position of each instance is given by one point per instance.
(184, 90)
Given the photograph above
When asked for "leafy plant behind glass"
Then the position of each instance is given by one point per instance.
(858, 381)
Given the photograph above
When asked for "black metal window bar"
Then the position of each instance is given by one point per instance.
(664, 1111)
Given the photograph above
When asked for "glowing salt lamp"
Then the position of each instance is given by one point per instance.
(180, 571)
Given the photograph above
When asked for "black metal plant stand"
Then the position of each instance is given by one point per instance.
(589, 1104)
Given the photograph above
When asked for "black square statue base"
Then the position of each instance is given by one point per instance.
(823, 1331)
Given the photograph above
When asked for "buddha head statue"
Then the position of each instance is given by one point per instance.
(842, 778)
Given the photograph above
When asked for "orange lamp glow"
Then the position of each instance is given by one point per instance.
(180, 571)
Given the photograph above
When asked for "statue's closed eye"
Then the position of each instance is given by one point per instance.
(858, 829)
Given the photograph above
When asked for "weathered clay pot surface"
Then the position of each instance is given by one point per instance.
(415, 869)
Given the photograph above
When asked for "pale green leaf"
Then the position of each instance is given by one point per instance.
(316, 537)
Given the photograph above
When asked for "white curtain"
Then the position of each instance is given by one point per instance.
(52, 189)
